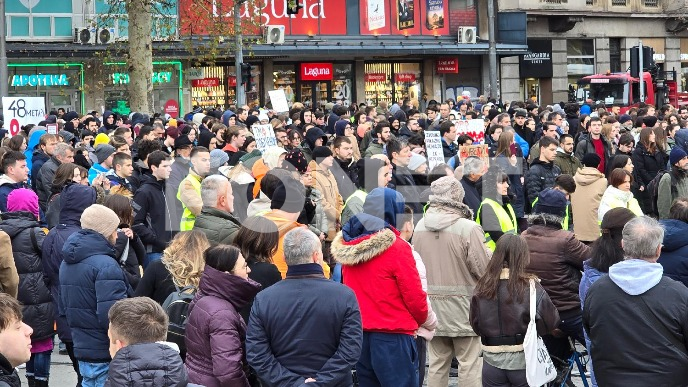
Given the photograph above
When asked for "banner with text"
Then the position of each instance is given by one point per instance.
(474, 129)
(21, 111)
(265, 136)
(433, 148)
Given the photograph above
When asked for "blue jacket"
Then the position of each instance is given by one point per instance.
(674, 257)
(96, 168)
(523, 144)
(293, 335)
(75, 198)
(91, 281)
(31, 146)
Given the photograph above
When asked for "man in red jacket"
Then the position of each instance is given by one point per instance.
(379, 267)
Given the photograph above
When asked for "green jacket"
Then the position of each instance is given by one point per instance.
(219, 226)
(374, 149)
(569, 164)
(666, 194)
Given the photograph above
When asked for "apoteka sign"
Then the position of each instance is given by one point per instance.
(316, 72)
(34, 80)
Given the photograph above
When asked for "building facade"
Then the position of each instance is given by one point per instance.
(569, 39)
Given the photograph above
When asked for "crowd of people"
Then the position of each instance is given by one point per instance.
(186, 251)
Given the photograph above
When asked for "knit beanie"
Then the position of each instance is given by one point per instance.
(650, 121)
(321, 152)
(100, 219)
(677, 154)
(249, 159)
(416, 161)
(447, 190)
(295, 161)
(551, 201)
(218, 158)
(288, 196)
(591, 160)
(103, 151)
(23, 199)
(625, 118)
(101, 138)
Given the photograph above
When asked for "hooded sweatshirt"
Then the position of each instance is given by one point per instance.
(585, 202)
(636, 276)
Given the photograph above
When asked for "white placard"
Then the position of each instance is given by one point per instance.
(433, 148)
(265, 136)
(51, 128)
(475, 129)
(279, 101)
(21, 111)
(609, 100)
(377, 17)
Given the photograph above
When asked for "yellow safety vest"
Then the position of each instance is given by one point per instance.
(564, 223)
(507, 220)
(188, 219)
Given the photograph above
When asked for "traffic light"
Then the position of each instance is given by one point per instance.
(648, 53)
(246, 75)
(293, 7)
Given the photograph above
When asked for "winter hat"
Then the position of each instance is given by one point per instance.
(251, 120)
(551, 201)
(650, 121)
(218, 158)
(101, 138)
(263, 117)
(272, 155)
(591, 160)
(386, 204)
(321, 152)
(585, 109)
(103, 151)
(447, 190)
(182, 142)
(198, 119)
(249, 159)
(288, 196)
(296, 161)
(100, 219)
(677, 154)
(67, 136)
(23, 199)
(625, 118)
(70, 116)
(340, 126)
(173, 131)
(172, 122)
(521, 113)
(416, 161)
(492, 114)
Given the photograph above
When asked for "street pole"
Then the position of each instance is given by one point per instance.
(492, 53)
(4, 77)
(238, 55)
(640, 68)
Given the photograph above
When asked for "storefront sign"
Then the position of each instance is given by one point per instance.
(405, 77)
(206, 82)
(21, 111)
(404, 17)
(433, 148)
(34, 80)
(194, 73)
(316, 71)
(157, 77)
(376, 77)
(447, 66)
(538, 63)
(172, 108)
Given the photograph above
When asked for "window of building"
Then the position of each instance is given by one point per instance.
(652, 3)
(615, 55)
(45, 20)
(620, 3)
(581, 59)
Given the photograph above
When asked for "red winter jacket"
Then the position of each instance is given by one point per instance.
(380, 269)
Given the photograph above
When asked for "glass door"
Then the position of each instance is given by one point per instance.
(323, 90)
(307, 93)
(56, 100)
(532, 90)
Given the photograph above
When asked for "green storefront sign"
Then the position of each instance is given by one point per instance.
(158, 77)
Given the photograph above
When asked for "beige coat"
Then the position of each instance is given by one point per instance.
(453, 250)
(331, 201)
(9, 279)
(585, 202)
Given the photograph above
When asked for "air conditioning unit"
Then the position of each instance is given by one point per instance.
(274, 34)
(467, 35)
(107, 35)
(85, 35)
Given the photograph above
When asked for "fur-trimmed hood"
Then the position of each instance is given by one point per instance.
(544, 219)
(363, 238)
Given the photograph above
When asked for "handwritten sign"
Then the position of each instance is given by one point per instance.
(433, 148)
(479, 151)
(279, 100)
(475, 129)
(265, 136)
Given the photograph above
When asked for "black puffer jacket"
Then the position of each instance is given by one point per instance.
(647, 164)
(541, 175)
(8, 375)
(34, 294)
(153, 213)
(147, 364)
(135, 255)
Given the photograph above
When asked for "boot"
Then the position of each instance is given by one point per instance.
(41, 383)
(31, 381)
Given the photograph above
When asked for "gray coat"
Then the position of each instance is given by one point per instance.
(44, 181)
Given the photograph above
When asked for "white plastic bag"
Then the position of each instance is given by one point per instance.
(539, 367)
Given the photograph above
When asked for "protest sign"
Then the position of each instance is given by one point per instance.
(21, 111)
(264, 135)
(279, 101)
(479, 151)
(433, 148)
(475, 129)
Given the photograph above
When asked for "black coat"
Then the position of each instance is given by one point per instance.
(266, 274)
(541, 175)
(403, 182)
(37, 303)
(153, 221)
(647, 164)
(293, 312)
(472, 197)
(156, 283)
(634, 346)
(136, 254)
(147, 364)
(8, 375)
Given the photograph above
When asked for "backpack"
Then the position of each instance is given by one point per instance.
(176, 306)
(653, 189)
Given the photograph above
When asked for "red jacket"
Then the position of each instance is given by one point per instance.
(380, 269)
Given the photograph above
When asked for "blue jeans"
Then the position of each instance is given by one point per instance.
(93, 374)
(39, 365)
(150, 257)
(388, 360)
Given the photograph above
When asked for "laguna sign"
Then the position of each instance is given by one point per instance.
(316, 71)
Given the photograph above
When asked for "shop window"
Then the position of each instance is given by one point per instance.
(284, 78)
(211, 90)
(581, 57)
(392, 82)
